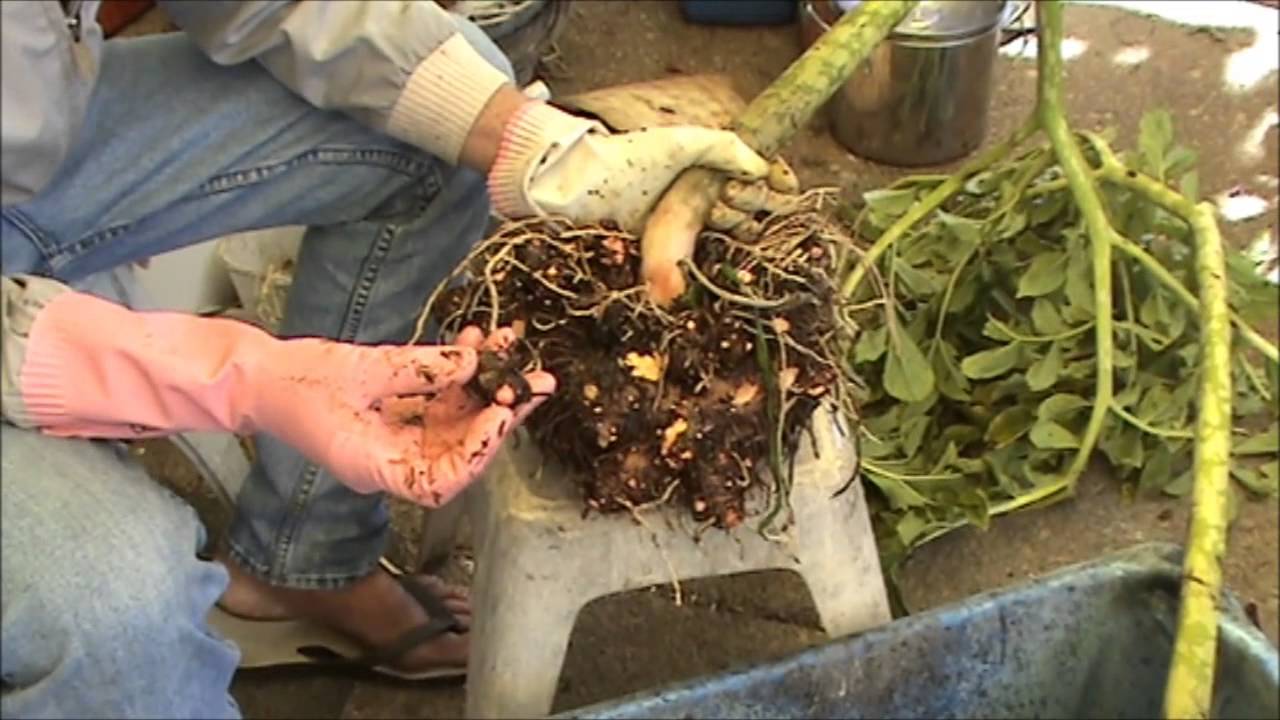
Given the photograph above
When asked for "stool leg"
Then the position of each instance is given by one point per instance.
(840, 563)
(521, 620)
(439, 533)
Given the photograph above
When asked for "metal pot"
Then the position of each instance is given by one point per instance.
(921, 97)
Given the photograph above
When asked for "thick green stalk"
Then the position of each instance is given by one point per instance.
(1189, 693)
(1053, 120)
(927, 204)
(774, 116)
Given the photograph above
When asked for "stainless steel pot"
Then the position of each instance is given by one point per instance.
(921, 97)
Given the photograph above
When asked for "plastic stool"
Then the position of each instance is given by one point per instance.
(538, 562)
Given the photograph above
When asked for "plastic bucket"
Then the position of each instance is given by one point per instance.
(1090, 641)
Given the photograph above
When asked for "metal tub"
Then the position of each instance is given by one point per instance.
(1090, 641)
(922, 96)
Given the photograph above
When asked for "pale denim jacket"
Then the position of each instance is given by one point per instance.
(398, 65)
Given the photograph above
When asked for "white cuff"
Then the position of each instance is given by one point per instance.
(533, 139)
(443, 97)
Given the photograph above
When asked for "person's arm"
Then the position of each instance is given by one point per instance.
(79, 366)
(400, 66)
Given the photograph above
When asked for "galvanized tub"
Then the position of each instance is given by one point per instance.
(1089, 641)
(922, 96)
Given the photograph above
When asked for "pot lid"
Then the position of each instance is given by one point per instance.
(944, 18)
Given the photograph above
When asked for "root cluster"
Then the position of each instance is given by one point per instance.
(688, 403)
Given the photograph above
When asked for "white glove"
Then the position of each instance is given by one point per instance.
(554, 163)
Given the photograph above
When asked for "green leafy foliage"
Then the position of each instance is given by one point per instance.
(988, 369)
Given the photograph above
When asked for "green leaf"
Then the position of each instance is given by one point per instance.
(1129, 395)
(1011, 224)
(913, 433)
(899, 494)
(874, 448)
(1271, 474)
(1155, 134)
(1060, 405)
(1158, 471)
(1044, 372)
(1043, 275)
(997, 330)
(1266, 442)
(870, 345)
(984, 183)
(889, 203)
(1178, 161)
(919, 283)
(1045, 317)
(1189, 185)
(992, 363)
(1159, 406)
(1011, 424)
(1123, 446)
(1047, 207)
(911, 526)
(963, 229)
(1049, 435)
(1121, 359)
(1079, 283)
(907, 375)
(951, 382)
(1254, 481)
(1181, 485)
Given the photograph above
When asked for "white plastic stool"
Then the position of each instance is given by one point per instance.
(538, 562)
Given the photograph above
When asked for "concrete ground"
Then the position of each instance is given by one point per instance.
(638, 640)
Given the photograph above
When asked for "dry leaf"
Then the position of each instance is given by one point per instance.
(672, 434)
(645, 367)
(787, 378)
(745, 394)
(781, 325)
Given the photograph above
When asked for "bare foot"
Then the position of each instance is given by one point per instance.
(374, 611)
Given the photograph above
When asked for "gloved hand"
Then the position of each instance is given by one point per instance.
(554, 163)
(96, 369)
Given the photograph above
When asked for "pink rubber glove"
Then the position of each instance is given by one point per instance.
(96, 369)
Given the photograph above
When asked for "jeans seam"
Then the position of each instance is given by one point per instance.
(34, 233)
(322, 581)
(378, 157)
(239, 179)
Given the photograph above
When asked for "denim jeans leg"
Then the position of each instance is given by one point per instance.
(177, 150)
(104, 596)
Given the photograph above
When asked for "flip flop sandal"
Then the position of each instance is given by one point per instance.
(277, 643)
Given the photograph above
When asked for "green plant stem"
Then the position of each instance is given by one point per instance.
(1112, 170)
(1147, 427)
(927, 204)
(774, 116)
(1189, 692)
(1054, 122)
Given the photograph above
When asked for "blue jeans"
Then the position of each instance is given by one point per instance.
(104, 599)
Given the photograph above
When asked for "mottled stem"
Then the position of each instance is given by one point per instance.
(1189, 692)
